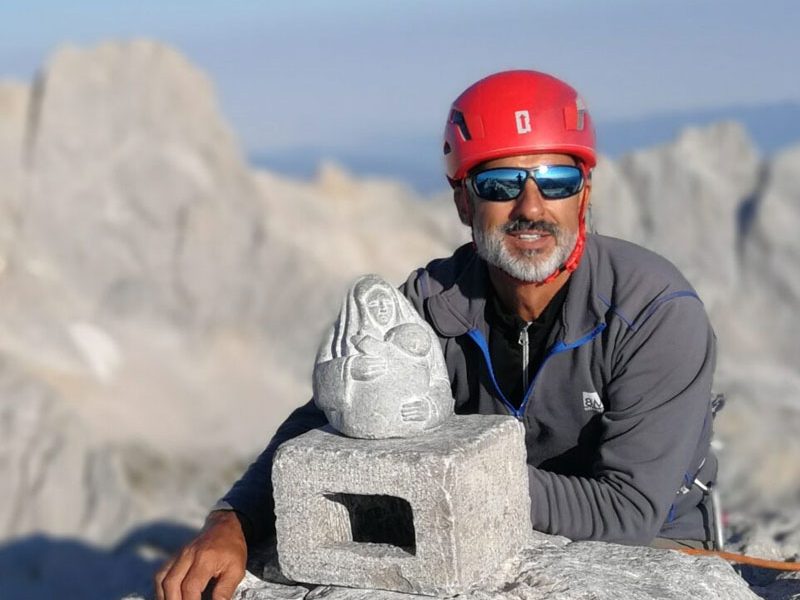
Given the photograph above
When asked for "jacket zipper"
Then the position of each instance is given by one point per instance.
(524, 341)
(556, 348)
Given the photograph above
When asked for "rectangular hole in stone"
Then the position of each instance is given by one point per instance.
(376, 519)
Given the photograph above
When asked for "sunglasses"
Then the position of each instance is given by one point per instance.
(555, 182)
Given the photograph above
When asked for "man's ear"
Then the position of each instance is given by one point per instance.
(463, 204)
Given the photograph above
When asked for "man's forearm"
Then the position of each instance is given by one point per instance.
(251, 495)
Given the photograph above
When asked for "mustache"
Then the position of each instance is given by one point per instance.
(527, 225)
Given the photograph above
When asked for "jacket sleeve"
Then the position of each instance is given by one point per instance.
(251, 496)
(657, 416)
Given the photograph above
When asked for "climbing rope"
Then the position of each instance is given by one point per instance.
(775, 565)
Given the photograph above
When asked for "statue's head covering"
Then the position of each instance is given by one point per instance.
(371, 307)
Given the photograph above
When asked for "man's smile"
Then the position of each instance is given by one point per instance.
(530, 235)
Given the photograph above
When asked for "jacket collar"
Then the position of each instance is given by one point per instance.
(460, 308)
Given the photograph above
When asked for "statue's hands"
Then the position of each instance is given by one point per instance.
(365, 367)
(218, 552)
(366, 344)
(415, 410)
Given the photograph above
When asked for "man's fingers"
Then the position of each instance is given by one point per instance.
(197, 578)
(169, 585)
(218, 549)
(226, 584)
(159, 578)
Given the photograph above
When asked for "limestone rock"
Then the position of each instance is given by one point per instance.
(55, 480)
(430, 514)
(137, 190)
(63, 479)
(324, 234)
(757, 430)
(552, 568)
(689, 194)
(771, 262)
(615, 209)
(14, 102)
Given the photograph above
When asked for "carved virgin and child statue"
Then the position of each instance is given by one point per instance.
(380, 371)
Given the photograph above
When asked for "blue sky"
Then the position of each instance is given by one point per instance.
(347, 73)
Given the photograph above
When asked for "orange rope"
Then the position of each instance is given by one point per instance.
(742, 559)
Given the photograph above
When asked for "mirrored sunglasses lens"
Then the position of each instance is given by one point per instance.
(499, 184)
(560, 181)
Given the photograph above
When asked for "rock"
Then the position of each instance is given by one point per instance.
(551, 568)
(65, 480)
(689, 194)
(429, 514)
(14, 102)
(57, 481)
(567, 571)
(253, 588)
(127, 147)
(326, 234)
(615, 210)
(758, 466)
(771, 267)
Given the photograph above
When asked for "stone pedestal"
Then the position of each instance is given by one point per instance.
(431, 514)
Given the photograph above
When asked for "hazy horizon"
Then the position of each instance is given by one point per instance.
(330, 75)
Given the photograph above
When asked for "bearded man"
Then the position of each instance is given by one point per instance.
(599, 347)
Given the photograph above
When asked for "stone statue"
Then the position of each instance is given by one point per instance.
(380, 371)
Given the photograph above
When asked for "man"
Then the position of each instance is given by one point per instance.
(601, 348)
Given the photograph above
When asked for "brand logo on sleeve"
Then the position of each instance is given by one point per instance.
(523, 121)
(592, 402)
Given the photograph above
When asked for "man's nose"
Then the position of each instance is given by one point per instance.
(530, 204)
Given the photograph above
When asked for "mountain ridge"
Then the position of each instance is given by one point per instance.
(416, 158)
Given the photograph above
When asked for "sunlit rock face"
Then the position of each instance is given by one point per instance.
(136, 189)
(14, 102)
(684, 201)
(771, 258)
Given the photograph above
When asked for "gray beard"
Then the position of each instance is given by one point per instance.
(530, 266)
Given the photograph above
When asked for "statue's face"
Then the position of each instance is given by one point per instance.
(381, 307)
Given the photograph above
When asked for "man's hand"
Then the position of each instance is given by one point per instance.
(218, 552)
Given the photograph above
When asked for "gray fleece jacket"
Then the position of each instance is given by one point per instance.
(617, 418)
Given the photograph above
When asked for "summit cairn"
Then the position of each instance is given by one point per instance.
(397, 493)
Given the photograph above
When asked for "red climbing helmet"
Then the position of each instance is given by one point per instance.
(516, 112)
